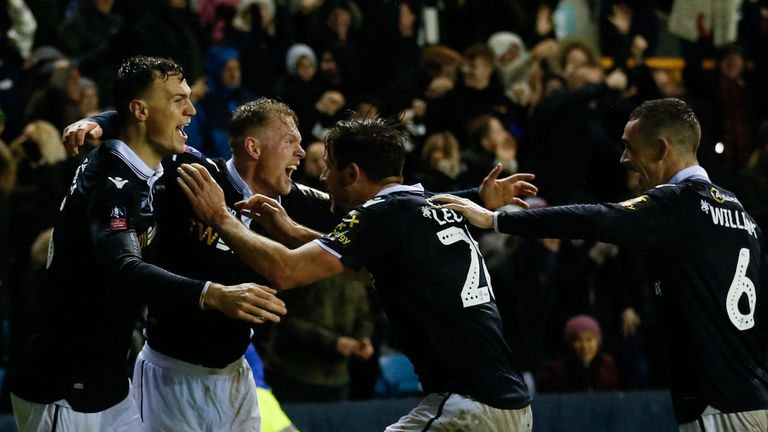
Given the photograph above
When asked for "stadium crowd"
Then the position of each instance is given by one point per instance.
(537, 86)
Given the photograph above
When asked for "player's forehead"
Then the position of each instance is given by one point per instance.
(169, 87)
(284, 126)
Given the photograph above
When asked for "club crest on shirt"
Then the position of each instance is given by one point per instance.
(634, 202)
(117, 220)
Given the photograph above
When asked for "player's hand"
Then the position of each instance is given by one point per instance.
(203, 193)
(74, 135)
(248, 302)
(496, 193)
(267, 212)
(476, 215)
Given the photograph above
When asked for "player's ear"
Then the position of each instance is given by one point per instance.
(252, 146)
(663, 148)
(351, 173)
(138, 110)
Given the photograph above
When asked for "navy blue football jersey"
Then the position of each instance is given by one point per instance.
(190, 247)
(708, 267)
(96, 280)
(436, 291)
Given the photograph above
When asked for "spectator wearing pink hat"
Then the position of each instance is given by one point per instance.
(584, 368)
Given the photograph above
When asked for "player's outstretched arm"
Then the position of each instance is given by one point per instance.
(283, 267)
(248, 302)
(475, 214)
(495, 192)
(268, 213)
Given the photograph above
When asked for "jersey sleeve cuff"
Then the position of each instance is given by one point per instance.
(202, 295)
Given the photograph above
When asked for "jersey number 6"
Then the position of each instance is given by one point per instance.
(741, 284)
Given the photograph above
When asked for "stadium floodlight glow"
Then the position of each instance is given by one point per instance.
(719, 148)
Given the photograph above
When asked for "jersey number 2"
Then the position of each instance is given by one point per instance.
(472, 294)
(741, 284)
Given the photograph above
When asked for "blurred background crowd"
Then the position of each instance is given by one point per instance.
(540, 86)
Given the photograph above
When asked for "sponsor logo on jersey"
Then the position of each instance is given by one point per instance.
(119, 182)
(348, 223)
(720, 198)
(634, 202)
(147, 236)
(205, 234)
(729, 218)
(117, 221)
(441, 215)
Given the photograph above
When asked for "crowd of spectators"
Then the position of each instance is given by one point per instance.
(538, 86)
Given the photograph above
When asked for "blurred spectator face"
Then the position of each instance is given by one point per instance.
(230, 74)
(339, 21)
(441, 152)
(667, 86)
(104, 6)
(511, 54)
(280, 155)
(477, 72)
(329, 68)
(177, 4)
(584, 75)
(365, 110)
(407, 19)
(576, 57)
(314, 164)
(305, 68)
(89, 100)
(497, 135)
(732, 65)
(585, 345)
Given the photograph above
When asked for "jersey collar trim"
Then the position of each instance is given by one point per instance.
(127, 155)
(401, 188)
(694, 171)
(237, 180)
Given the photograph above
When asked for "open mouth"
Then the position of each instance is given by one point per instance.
(180, 130)
(290, 169)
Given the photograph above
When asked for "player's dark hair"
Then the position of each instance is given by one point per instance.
(255, 114)
(671, 118)
(376, 145)
(136, 74)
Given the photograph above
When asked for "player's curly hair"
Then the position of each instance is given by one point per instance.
(136, 74)
(376, 145)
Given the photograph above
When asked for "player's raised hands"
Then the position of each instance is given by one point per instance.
(248, 302)
(475, 214)
(495, 192)
(203, 192)
(74, 135)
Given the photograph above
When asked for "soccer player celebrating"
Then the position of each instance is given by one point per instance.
(423, 261)
(72, 373)
(709, 272)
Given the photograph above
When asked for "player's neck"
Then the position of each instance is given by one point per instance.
(385, 183)
(138, 142)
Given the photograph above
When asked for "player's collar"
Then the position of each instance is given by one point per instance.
(127, 155)
(238, 181)
(401, 188)
(694, 171)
